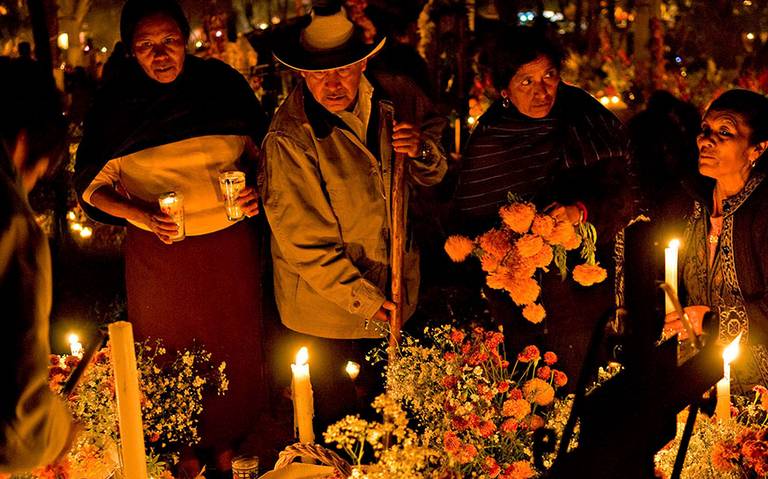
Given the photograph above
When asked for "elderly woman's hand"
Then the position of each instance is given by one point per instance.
(248, 201)
(406, 138)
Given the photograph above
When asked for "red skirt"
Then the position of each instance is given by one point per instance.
(206, 288)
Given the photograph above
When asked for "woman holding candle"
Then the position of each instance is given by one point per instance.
(171, 122)
(724, 256)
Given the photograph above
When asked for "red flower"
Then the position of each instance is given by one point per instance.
(53, 359)
(459, 423)
(450, 356)
(457, 336)
(71, 361)
(467, 454)
(550, 358)
(510, 425)
(516, 394)
(449, 382)
(502, 387)
(544, 373)
(451, 443)
(486, 428)
(530, 353)
(492, 467)
(493, 340)
(560, 378)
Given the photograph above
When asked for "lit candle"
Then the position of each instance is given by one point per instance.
(723, 408)
(128, 405)
(75, 346)
(303, 403)
(353, 369)
(457, 134)
(670, 272)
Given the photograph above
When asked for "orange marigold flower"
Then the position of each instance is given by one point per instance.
(520, 267)
(510, 425)
(467, 454)
(515, 394)
(457, 336)
(721, 457)
(589, 274)
(524, 291)
(451, 442)
(529, 353)
(528, 245)
(502, 387)
(495, 242)
(492, 467)
(572, 243)
(537, 391)
(519, 470)
(486, 428)
(518, 216)
(550, 358)
(499, 279)
(516, 408)
(544, 373)
(489, 263)
(543, 257)
(562, 232)
(543, 225)
(534, 313)
(560, 378)
(459, 247)
(536, 422)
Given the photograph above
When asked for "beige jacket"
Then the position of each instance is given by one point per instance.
(327, 198)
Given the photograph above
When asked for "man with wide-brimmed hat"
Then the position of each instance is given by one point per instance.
(328, 181)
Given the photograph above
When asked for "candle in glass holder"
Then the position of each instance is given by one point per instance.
(670, 272)
(303, 402)
(172, 204)
(723, 408)
(75, 346)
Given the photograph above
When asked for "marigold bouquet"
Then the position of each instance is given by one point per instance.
(474, 411)
(172, 388)
(528, 241)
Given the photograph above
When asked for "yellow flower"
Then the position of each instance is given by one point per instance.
(534, 313)
(589, 274)
(518, 216)
(539, 392)
(529, 245)
(458, 247)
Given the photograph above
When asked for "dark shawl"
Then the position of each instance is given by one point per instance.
(134, 112)
(579, 152)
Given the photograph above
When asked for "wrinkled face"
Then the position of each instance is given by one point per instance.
(159, 47)
(724, 149)
(533, 88)
(335, 89)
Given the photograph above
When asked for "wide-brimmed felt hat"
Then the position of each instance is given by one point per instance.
(324, 40)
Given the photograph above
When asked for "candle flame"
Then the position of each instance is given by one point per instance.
(168, 200)
(731, 352)
(353, 369)
(674, 244)
(302, 356)
(73, 338)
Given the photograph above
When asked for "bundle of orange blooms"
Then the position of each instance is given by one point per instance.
(528, 241)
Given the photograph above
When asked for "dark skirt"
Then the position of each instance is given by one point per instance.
(206, 288)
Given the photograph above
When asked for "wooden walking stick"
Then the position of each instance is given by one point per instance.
(397, 249)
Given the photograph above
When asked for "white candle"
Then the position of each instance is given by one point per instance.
(128, 404)
(303, 403)
(723, 408)
(670, 272)
(75, 346)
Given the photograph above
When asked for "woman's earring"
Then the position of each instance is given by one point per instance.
(505, 101)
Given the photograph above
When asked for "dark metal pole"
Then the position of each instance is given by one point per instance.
(40, 34)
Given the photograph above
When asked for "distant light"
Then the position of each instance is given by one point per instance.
(198, 44)
(678, 60)
(547, 14)
(471, 120)
(557, 17)
(73, 338)
(263, 25)
(86, 232)
(87, 48)
(76, 227)
(614, 99)
(103, 49)
(531, 16)
(218, 34)
(71, 215)
(63, 41)
(275, 20)
(747, 3)
(750, 36)
(605, 100)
